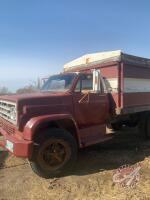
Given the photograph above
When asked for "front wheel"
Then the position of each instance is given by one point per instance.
(56, 153)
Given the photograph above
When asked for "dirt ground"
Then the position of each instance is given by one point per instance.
(91, 178)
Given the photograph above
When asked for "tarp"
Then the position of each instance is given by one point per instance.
(104, 57)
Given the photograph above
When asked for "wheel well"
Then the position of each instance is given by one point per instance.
(66, 124)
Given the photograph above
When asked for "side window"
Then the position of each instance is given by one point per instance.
(85, 83)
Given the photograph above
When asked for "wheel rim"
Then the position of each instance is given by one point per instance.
(54, 154)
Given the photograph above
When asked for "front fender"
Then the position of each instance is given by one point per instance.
(34, 123)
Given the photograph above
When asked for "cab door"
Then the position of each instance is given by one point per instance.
(90, 106)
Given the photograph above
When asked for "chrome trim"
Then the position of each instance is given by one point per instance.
(5, 110)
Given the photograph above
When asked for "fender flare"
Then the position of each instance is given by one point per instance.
(34, 123)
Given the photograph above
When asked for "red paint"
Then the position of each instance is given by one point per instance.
(22, 148)
(110, 71)
(36, 109)
(35, 123)
(132, 71)
(88, 113)
(96, 132)
(136, 99)
(121, 85)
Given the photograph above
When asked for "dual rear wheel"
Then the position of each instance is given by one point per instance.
(144, 126)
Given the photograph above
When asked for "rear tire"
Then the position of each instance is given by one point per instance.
(144, 126)
(116, 126)
(147, 128)
(55, 155)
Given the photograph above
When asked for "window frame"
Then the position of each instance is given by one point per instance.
(102, 88)
(81, 82)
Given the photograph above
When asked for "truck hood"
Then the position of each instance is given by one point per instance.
(39, 95)
(41, 103)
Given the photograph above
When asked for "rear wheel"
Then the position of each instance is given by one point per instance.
(144, 126)
(116, 126)
(55, 155)
(147, 127)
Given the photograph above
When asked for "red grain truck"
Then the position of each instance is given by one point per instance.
(73, 109)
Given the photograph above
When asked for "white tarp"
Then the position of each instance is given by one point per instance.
(93, 58)
(103, 57)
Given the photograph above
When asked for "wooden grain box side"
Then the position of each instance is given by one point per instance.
(111, 74)
(136, 88)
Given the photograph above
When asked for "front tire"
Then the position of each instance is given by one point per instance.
(55, 154)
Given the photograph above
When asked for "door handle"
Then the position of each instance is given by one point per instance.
(83, 99)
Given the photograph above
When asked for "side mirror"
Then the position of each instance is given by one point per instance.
(96, 81)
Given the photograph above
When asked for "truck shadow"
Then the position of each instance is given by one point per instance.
(126, 148)
(3, 156)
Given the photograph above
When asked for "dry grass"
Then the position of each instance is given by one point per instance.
(91, 178)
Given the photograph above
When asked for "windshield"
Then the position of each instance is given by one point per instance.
(62, 82)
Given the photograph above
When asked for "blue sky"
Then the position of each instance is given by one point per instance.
(38, 36)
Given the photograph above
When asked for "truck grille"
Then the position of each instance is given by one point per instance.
(7, 126)
(8, 111)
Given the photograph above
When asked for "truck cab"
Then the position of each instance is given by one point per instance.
(48, 127)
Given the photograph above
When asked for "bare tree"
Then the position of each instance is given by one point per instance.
(33, 87)
(4, 90)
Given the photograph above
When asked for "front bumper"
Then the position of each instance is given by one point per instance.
(20, 147)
